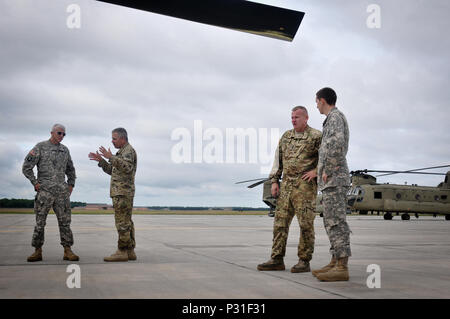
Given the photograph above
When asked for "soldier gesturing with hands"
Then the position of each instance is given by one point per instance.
(122, 168)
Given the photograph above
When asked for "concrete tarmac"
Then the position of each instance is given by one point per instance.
(190, 257)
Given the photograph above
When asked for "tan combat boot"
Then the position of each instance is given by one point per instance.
(272, 264)
(36, 256)
(337, 273)
(119, 255)
(326, 268)
(301, 266)
(131, 254)
(69, 255)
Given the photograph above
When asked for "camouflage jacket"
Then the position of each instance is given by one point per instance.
(333, 150)
(53, 164)
(297, 153)
(122, 168)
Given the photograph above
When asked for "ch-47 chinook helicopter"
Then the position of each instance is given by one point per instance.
(367, 195)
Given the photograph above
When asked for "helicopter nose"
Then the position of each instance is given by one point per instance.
(351, 201)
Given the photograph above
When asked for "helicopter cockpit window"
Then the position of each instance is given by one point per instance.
(355, 191)
(377, 195)
(436, 197)
(443, 197)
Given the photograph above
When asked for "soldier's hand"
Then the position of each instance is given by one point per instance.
(324, 177)
(95, 156)
(37, 187)
(275, 190)
(105, 153)
(308, 176)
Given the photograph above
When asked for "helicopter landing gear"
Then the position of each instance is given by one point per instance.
(447, 217)
(417, 215)
(405, 216)
(387, 216)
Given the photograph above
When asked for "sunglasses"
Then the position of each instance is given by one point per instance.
(61, 133)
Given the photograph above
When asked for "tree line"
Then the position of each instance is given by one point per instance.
(205, 208)
(28, 203)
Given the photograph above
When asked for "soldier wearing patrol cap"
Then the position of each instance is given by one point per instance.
(295, 159)
(122, 168)
(53, 162)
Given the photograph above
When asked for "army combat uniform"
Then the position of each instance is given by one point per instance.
(53, 163)
(333, 163)
(297, 153)
(122, 168)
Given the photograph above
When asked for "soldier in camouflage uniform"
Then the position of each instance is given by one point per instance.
(296, 159)
(334, 182)
(53, 162)
(122, 168)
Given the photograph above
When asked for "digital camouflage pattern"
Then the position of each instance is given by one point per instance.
(60, 203)
(123, 206)
(333, 151)
(53, 164)
(334, 219)
(297, 154)
(122, 168)
(332, 161)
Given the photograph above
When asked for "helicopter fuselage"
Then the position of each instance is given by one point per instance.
(399, 198)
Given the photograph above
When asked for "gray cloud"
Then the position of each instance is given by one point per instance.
(152, 74)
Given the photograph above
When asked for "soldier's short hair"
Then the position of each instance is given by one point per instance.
(299, 107)
(121, 132)
(54, 127)
(328, 94)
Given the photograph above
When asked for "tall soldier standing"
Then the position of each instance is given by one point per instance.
(53, 163)
(296, 159)
(334, 182)
(122, 168)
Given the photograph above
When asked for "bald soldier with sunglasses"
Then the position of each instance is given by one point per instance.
(53, 163)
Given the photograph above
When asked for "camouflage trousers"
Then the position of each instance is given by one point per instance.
(334, 219)
(123, 207)
(60, 202)
(300, 202)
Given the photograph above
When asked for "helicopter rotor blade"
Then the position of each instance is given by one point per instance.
(257, 183)
(406, 172)
(239, 15)
(252, 180)
(414, 170)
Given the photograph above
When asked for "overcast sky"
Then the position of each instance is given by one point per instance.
(155, 75)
